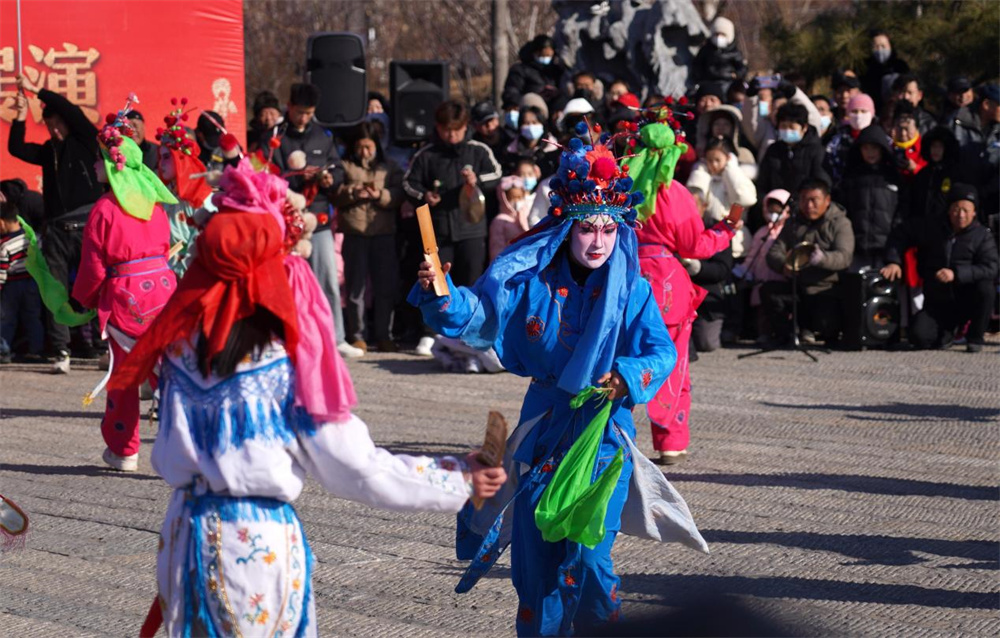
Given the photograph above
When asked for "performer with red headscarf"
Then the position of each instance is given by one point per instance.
(254, 397)
(124, 273)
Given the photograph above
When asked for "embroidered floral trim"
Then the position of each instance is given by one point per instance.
(441, 474)
(534, 327)
(647, 378)
(244, 535)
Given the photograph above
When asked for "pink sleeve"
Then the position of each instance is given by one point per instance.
(91, 274)
(691, 239)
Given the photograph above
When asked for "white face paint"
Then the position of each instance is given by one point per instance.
(592, 240)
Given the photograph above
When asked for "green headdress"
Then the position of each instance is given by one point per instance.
(137, 187)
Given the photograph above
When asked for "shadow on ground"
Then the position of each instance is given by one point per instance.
(847, 483)
(897, 412)
(673, 589)
(12, 413)
(871, 550)
(74, 470)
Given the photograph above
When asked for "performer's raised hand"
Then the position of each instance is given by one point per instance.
(616, 384)
(486, 480)
(426, 273)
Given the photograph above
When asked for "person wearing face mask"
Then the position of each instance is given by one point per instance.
(719, 59)
(567, 306)
(860, 115)
(826, 128)
(883, 61)
(537, 71)
(845, 86)
(957, 260)
(796, 156)
(368, 204)
(512, 221)
(534, 142)
(765, 97)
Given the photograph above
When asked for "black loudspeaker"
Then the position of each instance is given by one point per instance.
(871, 310)
(335, 63)
(415, 90)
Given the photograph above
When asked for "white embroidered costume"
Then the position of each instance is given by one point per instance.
(233, 558)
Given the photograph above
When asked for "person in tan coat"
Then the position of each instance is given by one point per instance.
(368, 205)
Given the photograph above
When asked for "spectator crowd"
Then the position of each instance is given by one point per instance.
(884, 176)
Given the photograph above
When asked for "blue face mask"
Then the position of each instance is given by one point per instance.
(532, 131)
(530, 183)
(544, 60)
(764, 108)
(825, 121)
(511, 118)
(789, 136)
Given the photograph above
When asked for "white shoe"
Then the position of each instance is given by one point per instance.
(121, 463)
(347, 350)
(424, 347)
(61, 365)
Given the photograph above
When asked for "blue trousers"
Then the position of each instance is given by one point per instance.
(564, 585)
(21, 307)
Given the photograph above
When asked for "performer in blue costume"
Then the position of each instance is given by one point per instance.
(567, 306)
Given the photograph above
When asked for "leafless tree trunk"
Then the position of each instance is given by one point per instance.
(501, 48)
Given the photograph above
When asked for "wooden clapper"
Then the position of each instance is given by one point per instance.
(431, 249)
(494, 446)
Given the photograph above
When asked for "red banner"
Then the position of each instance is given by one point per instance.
(96, 52)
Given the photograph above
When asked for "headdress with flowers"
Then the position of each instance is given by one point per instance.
(174, 136)
(592, 180)
(189, 171)
(135, 186)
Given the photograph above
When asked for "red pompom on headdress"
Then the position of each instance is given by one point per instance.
(115, 129)
(174, 136)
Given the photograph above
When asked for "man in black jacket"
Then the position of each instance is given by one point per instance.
(797, 154)
(67, 160)
(539, 71)
(870, 192)
(882, 62)
(309, 150)
(907, 87)
(957, 259)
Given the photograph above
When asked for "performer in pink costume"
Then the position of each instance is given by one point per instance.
(676, 231)
(124, 273)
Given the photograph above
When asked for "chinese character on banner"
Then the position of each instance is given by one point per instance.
(69, 72)
(222, 90)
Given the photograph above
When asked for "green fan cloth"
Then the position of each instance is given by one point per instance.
(572, 507)
(53, 292)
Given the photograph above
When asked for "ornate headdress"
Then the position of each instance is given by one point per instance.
(592, 180)
(174, 136)
(116, 129)
(136, 187)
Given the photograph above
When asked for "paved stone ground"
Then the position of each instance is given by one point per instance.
(855, 496)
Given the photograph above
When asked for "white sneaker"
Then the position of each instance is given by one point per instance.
(672, 457)
(347, 350)
(424, 347)
(121, 463)
(61, 365)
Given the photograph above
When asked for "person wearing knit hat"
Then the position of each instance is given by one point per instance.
(860, 114)
(719, 60)
(255, 397)
(266, 115)
(124, 272)
(958, 262)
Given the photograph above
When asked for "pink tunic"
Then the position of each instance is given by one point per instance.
(123, 267)
(676, 230)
